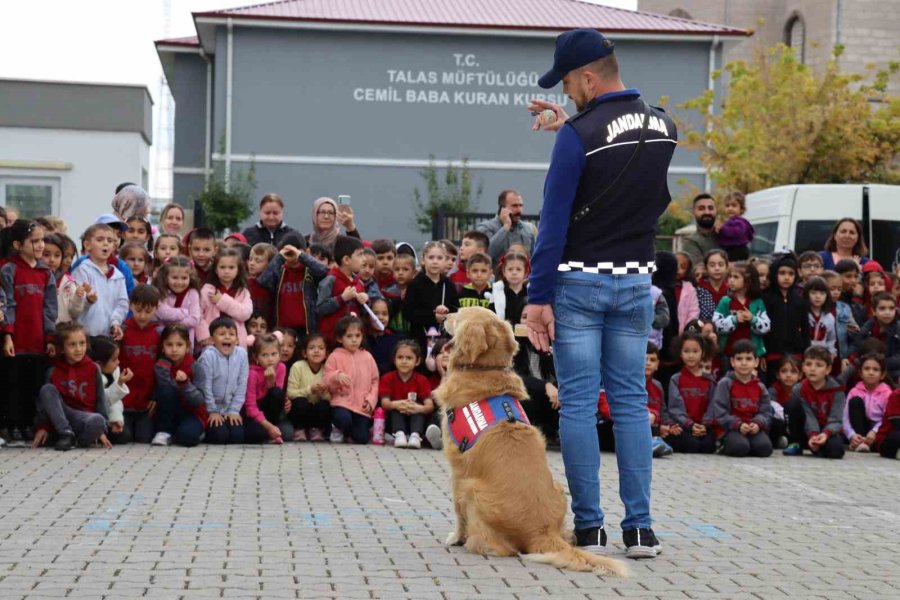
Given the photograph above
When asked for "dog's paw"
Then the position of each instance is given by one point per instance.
(454, 539)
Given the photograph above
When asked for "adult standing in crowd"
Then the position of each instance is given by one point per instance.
(271, 227)
(589, 288)
(846, 241)
(131, 202)
(507, 227)
(704, 238)
(327, 221)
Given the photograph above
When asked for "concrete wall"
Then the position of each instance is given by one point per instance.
(100, 160)
(59, 105)
(869, 29)
(300, 98)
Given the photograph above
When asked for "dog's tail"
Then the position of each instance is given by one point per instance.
(558, 553)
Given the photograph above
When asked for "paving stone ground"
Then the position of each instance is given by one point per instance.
(319, 521)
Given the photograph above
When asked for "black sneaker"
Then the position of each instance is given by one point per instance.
(590, 539)
(641, 543)
(65, 443)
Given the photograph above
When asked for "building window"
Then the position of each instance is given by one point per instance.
(795, 36)
(29, 197)
(681, 14)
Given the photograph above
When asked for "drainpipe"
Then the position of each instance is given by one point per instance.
(207, 149)
(837, 22)
(229, 77)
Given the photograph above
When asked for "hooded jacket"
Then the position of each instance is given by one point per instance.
(223, 379)
(824, 408)
(111, 306)
(875, 402)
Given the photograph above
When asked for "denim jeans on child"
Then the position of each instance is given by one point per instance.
(602, 323)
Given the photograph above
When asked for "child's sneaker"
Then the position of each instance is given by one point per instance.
(793, 450)
(659, 448)
(315, 435)
(162, 439)
(434, 437)
(299, 435)
(337, 436)
(864, 447)
(400, 440)
(415, 441)
(781, 443)
(2, 442)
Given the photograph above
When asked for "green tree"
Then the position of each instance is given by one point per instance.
(452, 192)
(783, 123)
(227, 202)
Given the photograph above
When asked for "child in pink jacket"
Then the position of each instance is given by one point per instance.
(351, 375)
(265, 407)
(866, 404)
(225, 295)
(177, 283)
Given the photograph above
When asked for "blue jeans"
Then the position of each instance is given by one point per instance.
(602, 323)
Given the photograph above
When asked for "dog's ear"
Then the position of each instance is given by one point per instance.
(469, 340)
(450, 323)
(508, 338)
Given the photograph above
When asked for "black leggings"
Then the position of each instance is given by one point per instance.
(310, 415)
(688, 443)
(538, 409)
(24, 375)
(739, 445)
(856, 410)
(137, 428)
(272, 407)
(796, 416)
(890, 445)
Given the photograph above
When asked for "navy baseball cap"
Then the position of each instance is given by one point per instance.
(575, 49)
(112, 221)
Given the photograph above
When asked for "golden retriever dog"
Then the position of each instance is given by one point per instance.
(505, 498)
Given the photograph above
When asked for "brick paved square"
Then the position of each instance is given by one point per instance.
(318, 521)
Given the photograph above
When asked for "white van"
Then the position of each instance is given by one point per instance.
(801, 217)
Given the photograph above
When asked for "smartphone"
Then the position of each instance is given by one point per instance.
(343, 199)
(520, 330)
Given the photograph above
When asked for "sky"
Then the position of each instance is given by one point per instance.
(104, 41)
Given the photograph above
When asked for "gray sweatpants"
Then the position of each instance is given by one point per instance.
(85, 426)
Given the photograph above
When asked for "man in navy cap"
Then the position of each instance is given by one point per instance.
(589, 289)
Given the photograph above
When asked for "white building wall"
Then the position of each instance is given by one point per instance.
(99, 160)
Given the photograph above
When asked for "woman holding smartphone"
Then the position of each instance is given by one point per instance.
(327, 219)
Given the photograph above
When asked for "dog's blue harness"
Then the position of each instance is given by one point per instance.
(466, 424)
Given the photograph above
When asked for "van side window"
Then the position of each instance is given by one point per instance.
(812, 235)
(887, 241)
(764, 240)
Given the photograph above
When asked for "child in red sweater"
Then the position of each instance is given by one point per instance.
(656, 402)
(816, 409)
(743, 408)
(72, 402)
(140, 342)
(293, 277)
(341, 293)
(406, 395)
(181, 409)
(691, 426)
(266, 407)
(30, 318)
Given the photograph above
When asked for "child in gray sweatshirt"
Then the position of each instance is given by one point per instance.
(223, 381)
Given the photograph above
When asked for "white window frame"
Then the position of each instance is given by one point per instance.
(16, 179)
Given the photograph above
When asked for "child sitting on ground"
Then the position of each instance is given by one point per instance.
(72, 402)
(310, 408)
(787, 375)
(815, 411)
(743, 408)
(866, 404)
(181, 408)
(351, 376)
(691, 410)
(656, 402)
(105, 352)
(406, 396)
(225, 368)
(266, 407)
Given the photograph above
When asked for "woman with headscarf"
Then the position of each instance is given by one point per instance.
(132, 201)
(327, 221)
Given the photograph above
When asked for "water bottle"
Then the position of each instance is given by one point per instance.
(378, 427)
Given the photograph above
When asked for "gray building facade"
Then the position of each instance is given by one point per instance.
(359, 108)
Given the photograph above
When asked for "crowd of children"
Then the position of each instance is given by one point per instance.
(161, 337)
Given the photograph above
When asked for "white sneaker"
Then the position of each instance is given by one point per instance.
(2, 442)
(415, 441)
(336, 437)
(864, 447)
(400, 440)
(162, 439)
(434, 437)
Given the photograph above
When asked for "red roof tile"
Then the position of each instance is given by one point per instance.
(506, 14)
(192, 40)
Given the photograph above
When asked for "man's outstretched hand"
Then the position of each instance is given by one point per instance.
(540, 322)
